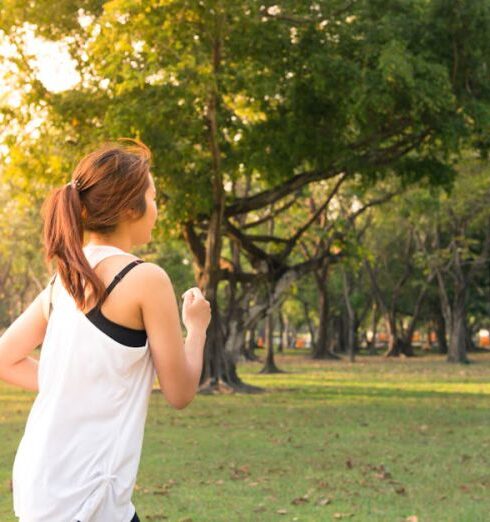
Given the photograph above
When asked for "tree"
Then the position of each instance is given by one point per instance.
(285, 96)
(456, 243)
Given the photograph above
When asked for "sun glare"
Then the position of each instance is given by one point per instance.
(50, 61)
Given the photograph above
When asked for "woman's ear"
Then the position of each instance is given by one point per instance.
(130, 214)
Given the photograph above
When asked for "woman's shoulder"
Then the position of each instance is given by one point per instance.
(152, 270)
(151, 282)
(149, 274)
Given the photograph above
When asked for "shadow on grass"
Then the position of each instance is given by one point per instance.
(391, 393)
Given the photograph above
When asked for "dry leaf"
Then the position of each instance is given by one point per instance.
(323, 501)
(238, 473)
(383, 475)
(300, 500)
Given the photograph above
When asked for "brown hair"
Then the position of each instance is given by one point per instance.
(104, 184)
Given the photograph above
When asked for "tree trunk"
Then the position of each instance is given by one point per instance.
(457, 338)
(394, 343)
(340, 328)
(219, 368)
(309, 323)
(440, 329)
(407, 346)
(282, 328)
(374, 328)
(270, 365)
(400, 344)
(249, 351)
(351, 320)
(470, 345)
(321, 349)
(351, 338)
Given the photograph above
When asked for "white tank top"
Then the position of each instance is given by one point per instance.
(79, 455)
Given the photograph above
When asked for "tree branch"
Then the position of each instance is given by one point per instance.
(269, 196)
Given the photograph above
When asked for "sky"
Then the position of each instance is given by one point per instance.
(51, 61)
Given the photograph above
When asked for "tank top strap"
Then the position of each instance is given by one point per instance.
(121, 274)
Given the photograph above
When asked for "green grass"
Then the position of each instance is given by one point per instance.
(377, 440)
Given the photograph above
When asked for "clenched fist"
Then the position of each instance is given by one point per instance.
(196, 311)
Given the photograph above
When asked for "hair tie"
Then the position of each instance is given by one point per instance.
(74, 184)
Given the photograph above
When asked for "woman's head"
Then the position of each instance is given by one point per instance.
(111, 191)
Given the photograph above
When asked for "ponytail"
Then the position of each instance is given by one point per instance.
(63, 241)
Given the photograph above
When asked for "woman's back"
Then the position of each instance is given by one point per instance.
(81, 448)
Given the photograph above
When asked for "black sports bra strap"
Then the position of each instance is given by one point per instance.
(121, 274)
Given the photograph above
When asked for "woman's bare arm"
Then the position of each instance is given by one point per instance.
(17, 343)
(178, 364)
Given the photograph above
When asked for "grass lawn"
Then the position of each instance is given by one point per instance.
(377, 440)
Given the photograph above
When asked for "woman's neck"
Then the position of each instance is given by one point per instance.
(121, 243)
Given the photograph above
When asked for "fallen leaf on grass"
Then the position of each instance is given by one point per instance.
(281, 471)
(238, 473)
(282, 511)
(323, 501)
(300, 500)
(412, 518)
(382, 472)
(163, 489)
(342, 515)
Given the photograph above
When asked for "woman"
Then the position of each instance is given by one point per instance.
(108, 323)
